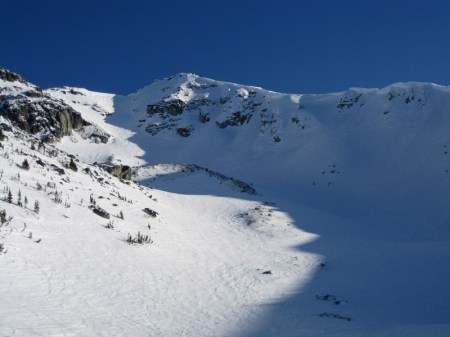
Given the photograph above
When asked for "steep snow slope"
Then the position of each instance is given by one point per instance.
(110, 141)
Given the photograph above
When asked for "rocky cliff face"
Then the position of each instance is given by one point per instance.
(34, 111)
(205, 101)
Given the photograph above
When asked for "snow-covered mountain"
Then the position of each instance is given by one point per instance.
(256, 213)
(382, 150)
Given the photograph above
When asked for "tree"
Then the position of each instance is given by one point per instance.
(19, 199)
(9, 197)
(25, 164)
(2, 217)
(36, 206)
(72, 165)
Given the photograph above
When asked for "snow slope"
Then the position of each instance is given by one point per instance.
(68, 271)
(346, 235)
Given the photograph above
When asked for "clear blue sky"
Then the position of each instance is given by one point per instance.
(289, 46)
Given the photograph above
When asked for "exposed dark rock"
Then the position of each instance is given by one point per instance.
(37, 113)
(347, 102)
(184, 132)
(203, 117)
(119, 171)
(99, 138)
(40, 162)
(198, 103)
(224, 100)
(33, 93)
(9, 76)
(174, 107)
(150, 212)
(5, 127)
(333, 315)
(236, 119)
(100, 211)
(155, 128)
(74, 92)
(276, 138)
(57, 169)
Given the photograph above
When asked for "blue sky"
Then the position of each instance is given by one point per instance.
(289, 46)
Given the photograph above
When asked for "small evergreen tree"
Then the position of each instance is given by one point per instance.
(25, 164)
(19, 199)
(2, 217)
(72, 165)
(36, 206)
(9, 197)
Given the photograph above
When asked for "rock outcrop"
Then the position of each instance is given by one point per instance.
(33, 111)
(173, 107)
(117, 170)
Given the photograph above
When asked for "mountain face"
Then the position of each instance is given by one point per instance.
(195, 207)
(382, 150)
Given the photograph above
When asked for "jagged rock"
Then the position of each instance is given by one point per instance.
(9, 76)
(37, 113)
(155, 128)
(99, 138)
(59, 120)
(184, 132)
(236, 119)
(174, 107)
(347, 102)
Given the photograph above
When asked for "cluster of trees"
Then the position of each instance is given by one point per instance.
(22, 202)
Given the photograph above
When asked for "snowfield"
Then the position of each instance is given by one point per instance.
(202, 273)
(248, 213)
